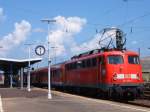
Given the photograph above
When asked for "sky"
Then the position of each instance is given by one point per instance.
(75, 29)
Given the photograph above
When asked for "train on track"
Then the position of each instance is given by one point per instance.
(114, 73)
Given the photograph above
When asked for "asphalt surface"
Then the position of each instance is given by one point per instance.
(16, 100)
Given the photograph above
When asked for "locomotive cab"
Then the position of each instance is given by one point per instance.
(123, 75)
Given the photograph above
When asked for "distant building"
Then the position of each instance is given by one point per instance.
(146, 68)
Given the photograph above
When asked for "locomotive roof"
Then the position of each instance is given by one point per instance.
(109, 52)
(122, 52)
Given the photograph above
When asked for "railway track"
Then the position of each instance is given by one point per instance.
(147, 94)
(140, 102)
(143, 102)
(147, 90)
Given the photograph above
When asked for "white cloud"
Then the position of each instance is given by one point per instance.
(92, 44)
(15, 38)
(39, 30)
(63, 33)
(2, 16)
(134, 42)
(99, 40)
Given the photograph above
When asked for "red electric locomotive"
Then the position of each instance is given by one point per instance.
(114, 72)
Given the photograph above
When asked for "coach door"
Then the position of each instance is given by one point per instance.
(102, 70)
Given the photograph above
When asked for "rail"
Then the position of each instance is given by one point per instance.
(147, 90)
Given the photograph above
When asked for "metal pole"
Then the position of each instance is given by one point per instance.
(49, 74)
(49, 61)
(55, 55)
(139, 51)
(49, 68)
(11, 80)
(28, 77)
(21, 77)
(29, 67)
(54, 49)
(29, 89)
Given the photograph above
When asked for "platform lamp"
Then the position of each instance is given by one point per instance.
(29, 66)
(48, 21)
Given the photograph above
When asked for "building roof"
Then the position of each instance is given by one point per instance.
(6, 64)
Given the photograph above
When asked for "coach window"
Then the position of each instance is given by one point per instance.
(71, 66)
(58, 73)
(94, 62)
(83, 64)
(52, 72)
(74, 65)
(133, 60)
(101, 60)
(89, 63)
(67, 67)
(79, 64)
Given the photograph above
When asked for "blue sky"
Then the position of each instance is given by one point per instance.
(85, 15)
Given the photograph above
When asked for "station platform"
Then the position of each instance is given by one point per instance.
(16, 100)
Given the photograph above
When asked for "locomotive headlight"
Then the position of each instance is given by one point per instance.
(118, 76)
(135, 76)
(138, 76)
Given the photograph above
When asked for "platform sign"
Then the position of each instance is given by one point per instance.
(40, 50)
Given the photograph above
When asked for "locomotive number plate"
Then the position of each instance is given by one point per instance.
(127, 76)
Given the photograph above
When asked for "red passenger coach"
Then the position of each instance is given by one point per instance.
(39, 77)
(58, 75)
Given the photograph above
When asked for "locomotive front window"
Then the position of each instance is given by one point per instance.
(133, 60)
(115, 59)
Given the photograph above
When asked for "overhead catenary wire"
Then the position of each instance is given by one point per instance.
(134, 19)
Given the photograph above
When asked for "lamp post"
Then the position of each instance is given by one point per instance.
(139, 51)
(28, 77)
(48, 21)
(54, 48)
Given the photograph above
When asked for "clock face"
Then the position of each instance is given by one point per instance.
(40, 50)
